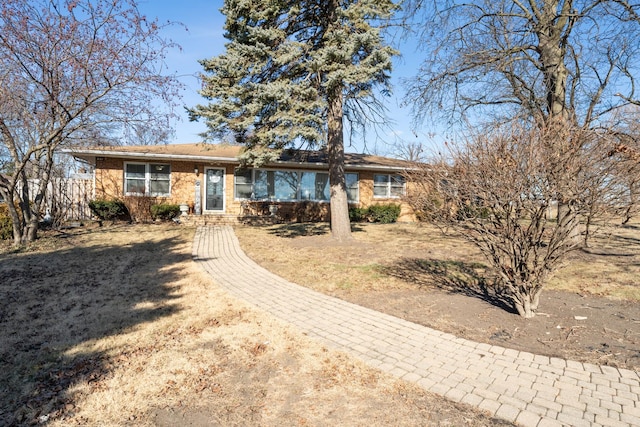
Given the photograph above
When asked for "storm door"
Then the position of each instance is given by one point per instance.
(214, 190)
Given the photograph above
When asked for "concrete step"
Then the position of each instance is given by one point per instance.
(209, 219)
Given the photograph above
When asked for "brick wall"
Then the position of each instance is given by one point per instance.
(110, 184)
(367, 199)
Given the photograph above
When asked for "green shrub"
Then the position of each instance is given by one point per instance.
(384, 214)
(109, 209)
(357, 214)
(6, 225)
(165, 211)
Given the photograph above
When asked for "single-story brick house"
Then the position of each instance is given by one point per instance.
(209, 179)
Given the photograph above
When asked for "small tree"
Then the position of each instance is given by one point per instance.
(72, 72)
(631, 205)
(499, 188)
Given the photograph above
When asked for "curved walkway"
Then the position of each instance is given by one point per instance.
(528, 389)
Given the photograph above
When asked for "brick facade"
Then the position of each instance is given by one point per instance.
(109, 177)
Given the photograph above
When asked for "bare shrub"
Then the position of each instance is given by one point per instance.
(499, 189)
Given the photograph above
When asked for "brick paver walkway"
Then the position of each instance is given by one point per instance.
(528, 389)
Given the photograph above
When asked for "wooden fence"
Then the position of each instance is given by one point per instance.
(67, 199)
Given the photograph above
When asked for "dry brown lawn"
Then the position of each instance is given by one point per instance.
(118, 326)
(610, 267)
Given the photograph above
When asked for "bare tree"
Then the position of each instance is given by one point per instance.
(72, 72)
(411, 151)
(559, 76)
(499, 187)
(631, 208)
(493, 61)
(626, 157)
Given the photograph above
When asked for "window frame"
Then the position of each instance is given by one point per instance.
(389, 186)
(356, 185)
(250, 184)
(148, 179)
(299, 196)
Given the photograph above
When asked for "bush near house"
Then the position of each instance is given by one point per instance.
(109, 209)
(139, 207)
(164, 211)
(357, 214)
(384, 214)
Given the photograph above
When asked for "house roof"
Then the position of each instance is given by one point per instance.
(225, 153)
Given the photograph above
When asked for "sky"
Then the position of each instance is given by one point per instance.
(201, 36)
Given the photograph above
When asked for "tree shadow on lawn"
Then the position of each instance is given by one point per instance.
(53, 303)
(613, 244)
(456, 277)
(293, 230)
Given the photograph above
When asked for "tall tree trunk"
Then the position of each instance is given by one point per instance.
(17, 225)
(25, 207)
(340, 224)
(552, 27)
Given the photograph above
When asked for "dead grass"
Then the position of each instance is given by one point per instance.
(314, 260)
(610, 267)
(117, 326)
(383, 256)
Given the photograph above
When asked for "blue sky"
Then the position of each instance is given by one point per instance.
(202, 37)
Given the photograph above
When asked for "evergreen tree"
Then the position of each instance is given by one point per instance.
(290, 72)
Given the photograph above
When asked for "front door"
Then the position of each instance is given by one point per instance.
(214, 190)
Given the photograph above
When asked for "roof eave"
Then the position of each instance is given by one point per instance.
(350, 166)
(147, 156)
(90, 155)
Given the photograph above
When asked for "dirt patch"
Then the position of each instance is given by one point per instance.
(572, 326)
(589, 311)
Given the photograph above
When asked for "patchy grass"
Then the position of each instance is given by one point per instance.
(117, 326)
(609, 267)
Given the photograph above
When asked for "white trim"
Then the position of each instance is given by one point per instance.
(147, 180)
(388, 186)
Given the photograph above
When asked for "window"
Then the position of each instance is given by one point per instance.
(243, 186)
(388, 185)
(259, 184)
(314, 186)
(353, 193)
(159, 180)
(135, 179)
(147, 179)
(285, 185)
(277, 185)
(262, 188)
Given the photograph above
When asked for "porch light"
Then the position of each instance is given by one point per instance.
(196, 171)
